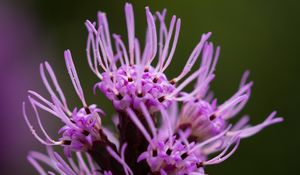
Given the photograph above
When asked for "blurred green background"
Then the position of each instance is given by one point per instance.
(260, 36)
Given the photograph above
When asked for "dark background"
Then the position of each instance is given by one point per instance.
(262, 36)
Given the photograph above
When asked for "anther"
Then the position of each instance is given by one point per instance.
(111, 77)
(72, 120)
(155, 80)
(66, 142)
(192, 138)
(161, 99)
(146, 69)
(85, 132)
(130, 79)
(184, 155)
(154, 153)
(87, 110)
(169, 151)
(139, 94)
(212, 117)
(119, 96)
(184, 126)
(199, 165)
(173, 81)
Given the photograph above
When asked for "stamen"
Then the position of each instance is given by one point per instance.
(85, 132)
(66, 142)
(173, 81)
(212, 117)
(119, 96)
(161, 99)
(184, 155)
(169, 151)
(154, 153)
(184, 126)
(139, 94)
(71, 120)
(199, 165)
(87, 110)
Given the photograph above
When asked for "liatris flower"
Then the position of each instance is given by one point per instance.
(128, 78)
(160, 128)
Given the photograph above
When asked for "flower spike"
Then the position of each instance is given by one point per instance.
(159, 126)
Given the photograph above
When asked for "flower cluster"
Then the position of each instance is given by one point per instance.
(160, 128)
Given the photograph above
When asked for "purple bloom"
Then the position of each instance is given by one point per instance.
(160, 128)
(129, 76)
(81, 126)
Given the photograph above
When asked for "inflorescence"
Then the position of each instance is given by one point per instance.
(159, 127)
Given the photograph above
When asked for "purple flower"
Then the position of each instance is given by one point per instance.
(159, 127)
(81, 126)
(129, 76)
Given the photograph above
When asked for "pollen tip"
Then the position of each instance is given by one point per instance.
(139, 94)
(212, 117)
(169, 151)
(161, 99)
(119, 96)
(184, 155)
(199, 165)
(87, 110)
(66, 142)
(173, 81)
